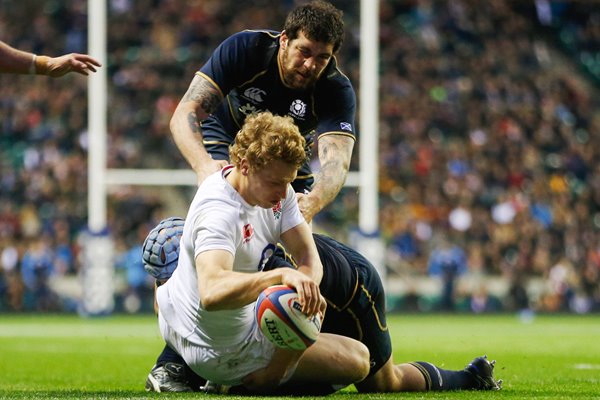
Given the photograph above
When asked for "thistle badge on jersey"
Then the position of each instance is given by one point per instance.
(298, 108)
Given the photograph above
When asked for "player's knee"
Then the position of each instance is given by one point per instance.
(386, 379)
(361, 362)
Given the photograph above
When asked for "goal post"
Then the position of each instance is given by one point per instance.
(366, 239)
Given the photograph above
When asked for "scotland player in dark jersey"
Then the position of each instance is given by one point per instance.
(356, 309)
(246, 66)
(293, 72)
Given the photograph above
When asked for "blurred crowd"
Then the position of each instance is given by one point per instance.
(489, 144)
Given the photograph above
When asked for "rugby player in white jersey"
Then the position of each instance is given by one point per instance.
(234, 223)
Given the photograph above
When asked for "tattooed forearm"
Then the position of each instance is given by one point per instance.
(204, 94)
(193, 122)
(330, 163)
(334, 155)
(330, 180)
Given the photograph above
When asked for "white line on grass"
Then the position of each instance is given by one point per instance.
(587, 366)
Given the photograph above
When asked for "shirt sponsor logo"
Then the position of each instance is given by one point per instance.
(247, 109)
(248, 232)
(346, 126)
(298, 108)
(255, 94)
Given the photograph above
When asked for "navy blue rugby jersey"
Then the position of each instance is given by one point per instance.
(245, 69)
(344, 271)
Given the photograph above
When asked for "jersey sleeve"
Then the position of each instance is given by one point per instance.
(212, 230)
(291, 215)
(228, 65)
(337, 108)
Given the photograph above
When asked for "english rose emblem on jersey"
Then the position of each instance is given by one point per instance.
(277, 211)
(248, 232)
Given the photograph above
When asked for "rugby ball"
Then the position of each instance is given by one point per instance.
(281, 321)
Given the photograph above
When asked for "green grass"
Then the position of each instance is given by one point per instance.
(67, 357)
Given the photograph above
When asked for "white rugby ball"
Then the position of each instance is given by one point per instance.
(281, 320)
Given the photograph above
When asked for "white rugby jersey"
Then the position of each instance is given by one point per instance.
(220, 219)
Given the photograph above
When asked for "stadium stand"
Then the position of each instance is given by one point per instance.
(489, 136)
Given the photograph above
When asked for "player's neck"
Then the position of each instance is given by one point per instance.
(239, 182)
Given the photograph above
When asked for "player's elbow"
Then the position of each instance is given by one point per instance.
(211, 302)
(209, 305)
(215, 300)
(174, 123)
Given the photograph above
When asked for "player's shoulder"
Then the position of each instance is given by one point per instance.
(216, 194)
(333, 75)
(251, 50)
(214, 212)
(334, 84)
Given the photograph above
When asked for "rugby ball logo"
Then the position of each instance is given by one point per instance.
(281, 320)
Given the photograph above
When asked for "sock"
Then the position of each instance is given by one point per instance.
(169, 355)
(438, 379)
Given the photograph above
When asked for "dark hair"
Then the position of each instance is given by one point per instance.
(319, 21)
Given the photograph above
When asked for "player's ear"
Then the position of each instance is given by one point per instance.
(244, 166)
(283, 40)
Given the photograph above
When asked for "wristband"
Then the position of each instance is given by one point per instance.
(31, 69)
(41, 65)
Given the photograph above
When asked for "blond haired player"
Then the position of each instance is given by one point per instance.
(234, 223)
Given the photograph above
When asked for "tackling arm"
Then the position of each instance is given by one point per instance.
(335, 152)
(200, 100)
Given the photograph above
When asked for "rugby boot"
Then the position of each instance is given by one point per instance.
(170, 377)
(482, 372)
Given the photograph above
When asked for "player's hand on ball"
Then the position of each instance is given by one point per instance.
(278, 312)
(308, 291)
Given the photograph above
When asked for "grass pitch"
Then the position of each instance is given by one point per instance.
(67, 357)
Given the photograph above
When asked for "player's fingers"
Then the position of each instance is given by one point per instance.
(88, 60)
(80, 70)
(322, 307)
(91, 67)
(319, 301)
(309, 303)
(312, 303)
(71, 65)
(303, 297)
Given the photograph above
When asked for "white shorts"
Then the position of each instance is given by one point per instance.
(225, 366)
